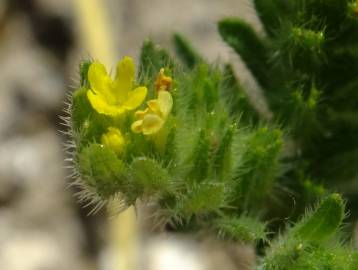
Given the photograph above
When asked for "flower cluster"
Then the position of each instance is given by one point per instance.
(116, 97)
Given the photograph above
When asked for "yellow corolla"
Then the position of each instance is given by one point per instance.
(114, 140)
(152, 119)
(114, 97)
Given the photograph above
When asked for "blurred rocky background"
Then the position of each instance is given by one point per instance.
(41, 225)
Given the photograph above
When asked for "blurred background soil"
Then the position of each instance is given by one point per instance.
(41, 225)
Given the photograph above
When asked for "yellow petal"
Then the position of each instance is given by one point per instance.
(165, 102)
(140, 114)
(136, 127)
(124, 77)
(154, 106)
(152, 123)
(100, 104)
(135, 98)
(114, 140)
(99, 80)
(126, 69)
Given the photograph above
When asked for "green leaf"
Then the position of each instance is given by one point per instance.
(323, 222)
(243, 39)
(306, 246)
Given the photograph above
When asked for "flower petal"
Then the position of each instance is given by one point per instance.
(152, 123)
(135, 98)
(100, 104)
(125, 69)
(165, 102)
(140, 114)
(124, 78)
(154, 106)
(136, 127)
(99, 80)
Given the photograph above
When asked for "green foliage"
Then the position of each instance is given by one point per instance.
(197, 168)
(307, 66)
(257, 175)
(216, 165)
(324, 222)
(304, 246)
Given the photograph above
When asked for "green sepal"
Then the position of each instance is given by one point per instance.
(81, 109)
(201, 199)
(84, 66)
(199, 158)
(149, 177)
(255, 178)
(222, 157)
(103, 171)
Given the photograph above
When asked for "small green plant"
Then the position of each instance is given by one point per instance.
(182, 136)
(174, 142)
(307, 66)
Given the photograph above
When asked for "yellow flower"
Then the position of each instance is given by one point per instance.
(114, 140)
(152, 119)
(114, 97)
(163, 82)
